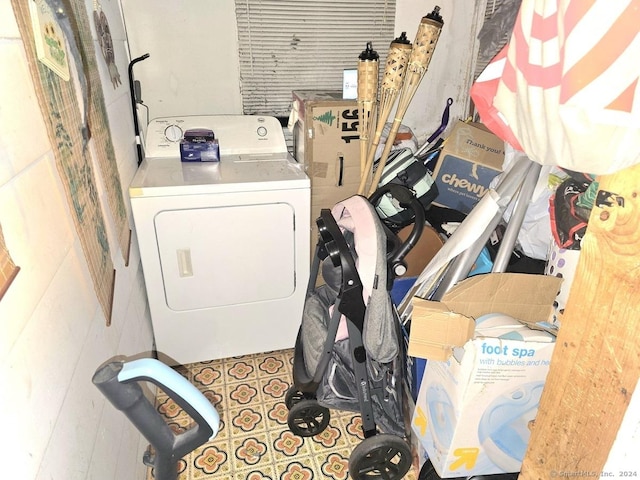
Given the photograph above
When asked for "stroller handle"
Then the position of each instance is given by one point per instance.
(407, 199)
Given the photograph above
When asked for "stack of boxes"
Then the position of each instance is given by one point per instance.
(326, 141)
(478, 393)
(480, 390)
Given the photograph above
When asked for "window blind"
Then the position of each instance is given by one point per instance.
(287, 45)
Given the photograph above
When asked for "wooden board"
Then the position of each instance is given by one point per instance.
(77, 126)
(596, 365)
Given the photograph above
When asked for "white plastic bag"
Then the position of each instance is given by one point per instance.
(534, 237)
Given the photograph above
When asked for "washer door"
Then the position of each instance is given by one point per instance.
(219, 256)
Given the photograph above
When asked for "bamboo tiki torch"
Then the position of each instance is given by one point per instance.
(399, 52)
(423, 47)
(368, 66)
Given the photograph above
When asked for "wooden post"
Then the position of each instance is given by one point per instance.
(596, 362)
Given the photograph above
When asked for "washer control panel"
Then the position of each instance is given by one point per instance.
(236, 134)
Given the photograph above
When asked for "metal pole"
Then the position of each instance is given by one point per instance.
(510, 237)
(460, 266)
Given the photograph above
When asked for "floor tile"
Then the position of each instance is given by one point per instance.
(254, 441)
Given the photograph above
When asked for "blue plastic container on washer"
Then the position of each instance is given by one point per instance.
(199, 145)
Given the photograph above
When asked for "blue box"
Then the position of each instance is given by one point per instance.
(208, 151)
(471, 157)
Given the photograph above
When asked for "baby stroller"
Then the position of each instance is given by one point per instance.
(350, 353)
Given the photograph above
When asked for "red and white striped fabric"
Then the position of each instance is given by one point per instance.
(565, 89)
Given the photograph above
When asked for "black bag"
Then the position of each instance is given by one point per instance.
(568, 219)
(404, 168)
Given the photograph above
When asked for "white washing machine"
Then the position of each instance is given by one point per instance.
(224, 245)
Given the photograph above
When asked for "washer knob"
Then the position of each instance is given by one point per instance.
(173, 133)
(262, 131)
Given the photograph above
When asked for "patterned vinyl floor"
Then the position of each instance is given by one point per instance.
(254, 442)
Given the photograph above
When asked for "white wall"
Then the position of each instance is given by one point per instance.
(451, 68)
(193, 66)
(57, 425)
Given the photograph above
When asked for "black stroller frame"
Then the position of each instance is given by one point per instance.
(379, 455)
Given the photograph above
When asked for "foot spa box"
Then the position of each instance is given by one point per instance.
(486, 367)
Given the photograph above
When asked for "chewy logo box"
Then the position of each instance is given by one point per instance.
(471, 157)
(485, 371)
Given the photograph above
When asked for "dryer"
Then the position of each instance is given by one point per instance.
(224, 245)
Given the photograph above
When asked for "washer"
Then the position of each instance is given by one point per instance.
(224, 245)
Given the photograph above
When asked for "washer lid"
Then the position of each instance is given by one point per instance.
(237, 173)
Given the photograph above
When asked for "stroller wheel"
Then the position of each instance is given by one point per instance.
(308, 418)
(381, 456)
(427, 472)
(292, 397)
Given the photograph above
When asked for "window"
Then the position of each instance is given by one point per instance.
(287, 45)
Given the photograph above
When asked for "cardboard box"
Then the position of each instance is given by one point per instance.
(429, 243)
(479, 393)
(471, 157)
(326, 141)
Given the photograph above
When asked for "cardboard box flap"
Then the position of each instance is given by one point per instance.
(304, 101)
(435, 330)
(438, 327)
(474, 137)
(527, 297)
